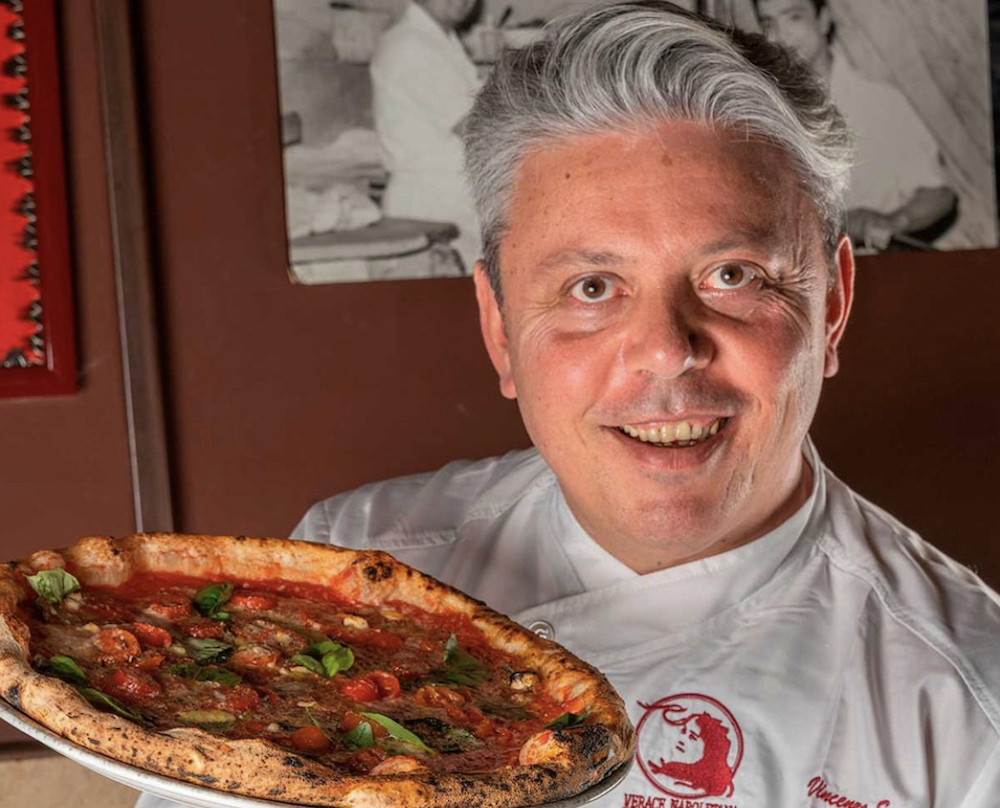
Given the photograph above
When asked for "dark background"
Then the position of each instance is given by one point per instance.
(279, 395)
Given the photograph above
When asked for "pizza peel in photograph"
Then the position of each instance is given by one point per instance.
(294, 672)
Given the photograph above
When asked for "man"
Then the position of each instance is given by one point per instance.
(423, 83)
(898, 187)
(664, 288)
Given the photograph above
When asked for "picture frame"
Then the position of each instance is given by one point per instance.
(37, 329)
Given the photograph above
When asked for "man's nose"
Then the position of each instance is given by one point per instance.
(667, 337)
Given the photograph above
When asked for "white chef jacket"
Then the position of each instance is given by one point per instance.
(838, 660)
(895, 152)
(423, 84)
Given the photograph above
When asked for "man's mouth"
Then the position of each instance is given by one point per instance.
(677, 433)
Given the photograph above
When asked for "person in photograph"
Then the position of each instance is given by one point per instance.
(898, 187)
(423, 83)
(664, 288)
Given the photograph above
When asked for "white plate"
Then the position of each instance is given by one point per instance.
(201, 796)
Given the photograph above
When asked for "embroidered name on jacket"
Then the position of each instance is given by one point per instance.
(820, 791)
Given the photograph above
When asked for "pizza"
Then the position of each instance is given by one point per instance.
(298, 672)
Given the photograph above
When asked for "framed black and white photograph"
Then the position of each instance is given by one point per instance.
(913, 80)
(374, 93)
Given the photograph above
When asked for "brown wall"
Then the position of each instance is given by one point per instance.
(911, 420)
(64, 459)
(279, 395)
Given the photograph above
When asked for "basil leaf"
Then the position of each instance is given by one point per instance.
(53, 585)
(311, 663)
(67, 670)
(209, 599)
(340, 659)
(99, 699)
(461, 667)
(208, 650)
(398, 732)
(203, 674)
(326, 658)
(567, 720)
(324, 646)
(361, 736)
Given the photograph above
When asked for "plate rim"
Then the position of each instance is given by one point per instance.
(206, 797)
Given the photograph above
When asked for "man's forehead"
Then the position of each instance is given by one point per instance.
(776, 7)
(578, 199)
(668, 152)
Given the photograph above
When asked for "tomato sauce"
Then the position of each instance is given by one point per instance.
(295, 664)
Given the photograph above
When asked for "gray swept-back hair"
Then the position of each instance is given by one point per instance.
(630, 65)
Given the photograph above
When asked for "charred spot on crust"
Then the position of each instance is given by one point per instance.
(295, 762)
(207, 779)
(589, 740)
(378, 571)
(13, 695)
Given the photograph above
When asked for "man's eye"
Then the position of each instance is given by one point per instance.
(730, 276)
(592, 289)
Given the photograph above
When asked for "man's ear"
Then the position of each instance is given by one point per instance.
(839, 298)
(494, 331)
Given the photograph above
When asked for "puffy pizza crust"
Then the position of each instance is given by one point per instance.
(555, 764)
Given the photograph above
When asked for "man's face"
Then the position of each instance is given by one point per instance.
(448, 13)
(797, 25)
(688, 745)
(668, 319)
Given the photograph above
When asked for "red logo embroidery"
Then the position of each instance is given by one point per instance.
(689, 746)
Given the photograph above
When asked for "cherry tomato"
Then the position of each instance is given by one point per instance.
(252, 601)
(387, 684)
(371, 687)
(150, 662)
(201, 628)
(360, 689)
(239, 698)
(439, 696)
(170, 607)
(254, 657)
(131, 685)
(351, 719)
(115, 645)
(309, 739)
(151, 636)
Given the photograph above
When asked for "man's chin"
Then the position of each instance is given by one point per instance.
(649, 534)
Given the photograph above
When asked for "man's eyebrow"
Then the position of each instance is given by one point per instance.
(759, 238)
(580, 257)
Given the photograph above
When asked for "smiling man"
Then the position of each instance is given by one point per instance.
(664, 287)
(667, 374)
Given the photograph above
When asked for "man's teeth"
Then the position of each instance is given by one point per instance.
(682, 433)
